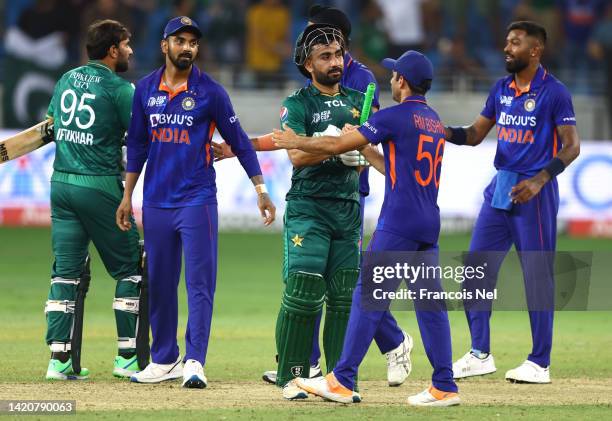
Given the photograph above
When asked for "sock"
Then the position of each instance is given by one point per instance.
(479, 354)
(126, 354)
(62, 356)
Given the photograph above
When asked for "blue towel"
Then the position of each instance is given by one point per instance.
(504, 183)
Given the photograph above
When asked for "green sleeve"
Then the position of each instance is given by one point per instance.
(123, 101)
(51, 107)
(294, 115)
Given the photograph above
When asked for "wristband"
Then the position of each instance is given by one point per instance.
(261, 189)
(554, 167)
(458, 135)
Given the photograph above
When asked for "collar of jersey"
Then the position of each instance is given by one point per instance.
(314, 91)
(99, 64)
(191, 81)
(415, 98)
(535, 83)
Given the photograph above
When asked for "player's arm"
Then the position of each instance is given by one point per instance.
(374, 157)
(570, 150)
(321, 146)
(469, 135)
(230, 129)
(137, 151)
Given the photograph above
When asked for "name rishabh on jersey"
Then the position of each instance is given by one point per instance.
(527, 121)
(172, 131)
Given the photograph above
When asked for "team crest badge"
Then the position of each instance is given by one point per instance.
(284, 114)
(188, 103)
(530, 104)
(185, 20)
(296, 370)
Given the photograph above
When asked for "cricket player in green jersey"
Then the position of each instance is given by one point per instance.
(91, 107)
(322, 217)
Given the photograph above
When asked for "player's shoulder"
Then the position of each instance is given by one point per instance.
(297, 98)
(353, 93)
(555, 85)
(145, 82)
(501, 82)
(362, 71)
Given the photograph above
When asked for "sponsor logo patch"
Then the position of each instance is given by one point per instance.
(284, 114)
(505, 100)
(297, 370)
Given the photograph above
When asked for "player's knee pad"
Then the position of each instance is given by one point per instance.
(126, 305)
(59, 310)
(302, 300)
(339, 297)
(304, 293)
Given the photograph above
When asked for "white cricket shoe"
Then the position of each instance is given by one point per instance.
(328, 387)
(292, 392)
(193, 375)
(528, 372)
(156, 373)
(270, 376)
(399, 365)
(434, 397)
(470, 365)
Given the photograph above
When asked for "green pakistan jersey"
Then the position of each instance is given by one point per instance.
(309, 112)
(91, 108)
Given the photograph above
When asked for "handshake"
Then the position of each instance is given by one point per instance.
(350, 158)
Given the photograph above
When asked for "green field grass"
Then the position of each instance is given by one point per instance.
(242, 338)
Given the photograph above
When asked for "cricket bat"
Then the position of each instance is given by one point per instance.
(367, 103)
(26, 141)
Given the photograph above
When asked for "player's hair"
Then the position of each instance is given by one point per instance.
(532, 29)
(417, 89)
(102, 35)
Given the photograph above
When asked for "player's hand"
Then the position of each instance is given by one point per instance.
(286, 139)
(123, 214)
(349, 128)
(528, 188)
(221, 151)
(351, 159)
(266, 208)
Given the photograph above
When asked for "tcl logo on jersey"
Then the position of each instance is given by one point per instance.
(178, 119)
(335, 103)
(516, 120)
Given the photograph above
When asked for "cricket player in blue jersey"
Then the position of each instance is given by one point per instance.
(174, 114)
(413, 144)
(392, 342)
(536, 140)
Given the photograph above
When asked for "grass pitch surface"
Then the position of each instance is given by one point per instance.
(242, 347)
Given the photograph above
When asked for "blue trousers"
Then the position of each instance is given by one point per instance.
(388, 337)
(532, 228)
(363, 325)
(169, 233)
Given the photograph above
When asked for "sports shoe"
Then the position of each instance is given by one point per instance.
(270, 376)
(156, 373)
(193, 375)
(528, 372)
(470, 365)
(399, 365)
(292, 392)
(125, 367)
(58, 370)
(327, 387)
(434, 397)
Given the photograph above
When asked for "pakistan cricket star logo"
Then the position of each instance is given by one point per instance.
(355, 112)
(297, 240)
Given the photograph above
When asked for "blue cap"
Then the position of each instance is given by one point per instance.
(412, 65)
(181, 23)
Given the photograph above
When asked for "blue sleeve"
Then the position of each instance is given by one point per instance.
(231, 131)
(137, 137)
(562, 107)
(378, 128)
(489, 109)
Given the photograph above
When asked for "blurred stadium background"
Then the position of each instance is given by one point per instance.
(247, 46)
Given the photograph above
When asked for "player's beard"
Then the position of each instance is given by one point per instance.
(122, 65)
(515, 65)
(326, 79)
(181, 61)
